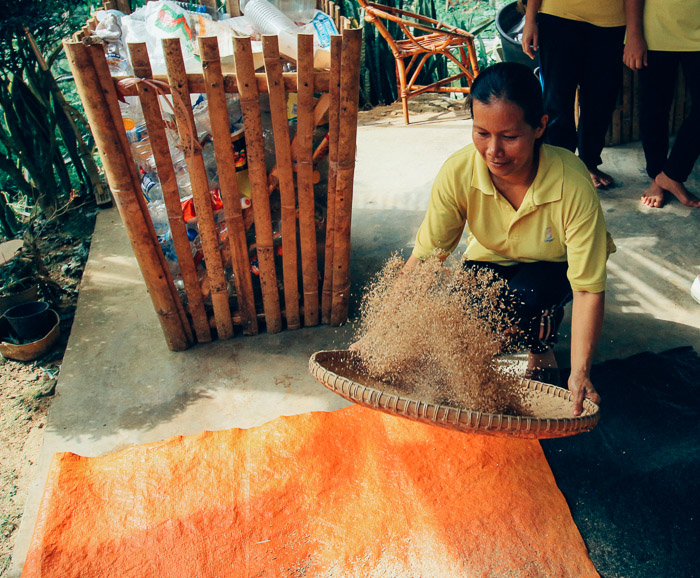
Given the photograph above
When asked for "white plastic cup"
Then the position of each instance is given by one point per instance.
(267, 18)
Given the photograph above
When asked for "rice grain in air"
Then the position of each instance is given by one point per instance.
(433, 333)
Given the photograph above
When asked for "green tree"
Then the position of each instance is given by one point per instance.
(43, 160)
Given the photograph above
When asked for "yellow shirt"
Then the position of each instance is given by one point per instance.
(560, 218)
(672, 25)
(604, 13)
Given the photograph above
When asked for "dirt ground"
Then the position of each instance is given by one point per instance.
(423, 103)
(26, 387)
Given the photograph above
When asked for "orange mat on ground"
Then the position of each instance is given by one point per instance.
(349, 493)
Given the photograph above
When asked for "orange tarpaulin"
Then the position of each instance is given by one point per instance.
(349, 493)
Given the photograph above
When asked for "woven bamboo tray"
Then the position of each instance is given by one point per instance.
(551, 407)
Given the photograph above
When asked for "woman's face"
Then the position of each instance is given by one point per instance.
(504, 139)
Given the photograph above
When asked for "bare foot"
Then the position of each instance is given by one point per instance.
(543, 367)
(600, 179)
(654, 196)
(677, 189)
(544, 360)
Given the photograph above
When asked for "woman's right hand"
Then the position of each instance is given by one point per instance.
(530, 40)
(635, 55)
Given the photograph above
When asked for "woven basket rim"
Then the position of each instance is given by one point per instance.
(453, 417)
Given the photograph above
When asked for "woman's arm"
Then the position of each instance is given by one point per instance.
(411, 263)
(586, 325)
(635, 55)
(530, 40)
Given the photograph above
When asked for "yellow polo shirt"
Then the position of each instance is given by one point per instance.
(560, 218)
(672, 25)
(604, 13)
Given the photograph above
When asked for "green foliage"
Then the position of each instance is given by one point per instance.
(378, 75)
(42, 160)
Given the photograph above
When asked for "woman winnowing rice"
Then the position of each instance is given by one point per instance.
(534, 218)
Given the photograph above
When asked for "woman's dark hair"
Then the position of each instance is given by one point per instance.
(512, 82)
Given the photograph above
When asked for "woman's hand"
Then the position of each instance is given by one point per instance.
(530, 39)
(635, 55)
(581, 388)
(586, 325)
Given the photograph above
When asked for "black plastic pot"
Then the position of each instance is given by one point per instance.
(508, 18)
(29, 320)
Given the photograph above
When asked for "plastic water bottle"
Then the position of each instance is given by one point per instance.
(150, 186)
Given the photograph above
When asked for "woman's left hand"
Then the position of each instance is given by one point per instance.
(581, 388)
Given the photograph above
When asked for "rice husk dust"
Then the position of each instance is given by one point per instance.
(432, 333)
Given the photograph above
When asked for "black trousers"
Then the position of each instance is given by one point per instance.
(538, 293)
(658, 83)
(577, 54)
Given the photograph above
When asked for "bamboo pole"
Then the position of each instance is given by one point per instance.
(616, 129)
(233, 7)
(305, 168)
(333, 130)
(225, 160)
(635, 105)
(99, 63)
(196, 82)
(285, 174)
(108, 88)
(116, 165)
(200, 185)
(124, 6)
(679, 97)
(626, 132)
(255, 148)
(171, 196)
(349, 95)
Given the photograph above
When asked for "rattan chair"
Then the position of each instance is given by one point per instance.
(423, 38)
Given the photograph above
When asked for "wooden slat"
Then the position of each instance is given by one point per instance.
(196, 82)
(255, 149)
(672, 115)
(626, 132)
(166, 175)
(679, 97)
(304, 158)
(616, 129)
(124, 6)
(116, 165)
(635, 105)
(200, 185)
(102, 69)
(225, 160)
(285, 174)
(233, 8)
(349, 95)
(333, 132)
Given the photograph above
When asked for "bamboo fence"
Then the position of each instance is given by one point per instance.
(624, 125)
(321, 272)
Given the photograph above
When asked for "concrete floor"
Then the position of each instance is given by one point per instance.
(120, 386)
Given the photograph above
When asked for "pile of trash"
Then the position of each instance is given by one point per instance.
(161, 19)
(169, 19)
